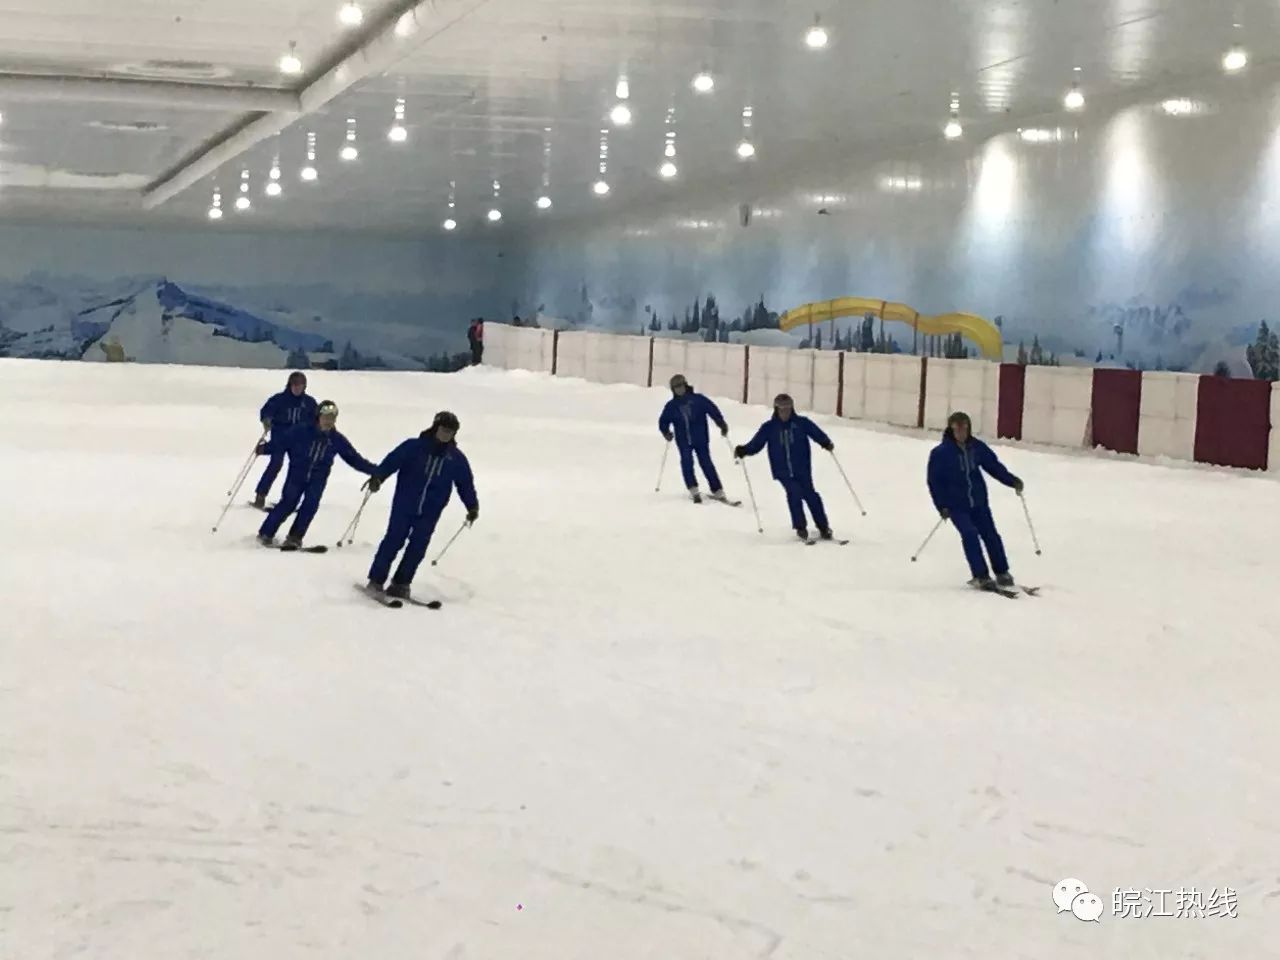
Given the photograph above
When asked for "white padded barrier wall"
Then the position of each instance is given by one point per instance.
(571, 354)
(669, 358)
(775, 370)
(1273, 454)
(1167, 415)
(826, 381)
(517, 348)
(892, 389)
(1056, 405)
(617, 359)
(713, 368)
(855, 386)
(969, 385)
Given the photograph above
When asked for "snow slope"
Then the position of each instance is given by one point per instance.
(638, 729)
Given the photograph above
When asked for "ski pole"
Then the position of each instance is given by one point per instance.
(1030, 525)
(230, 500)
(248, 465)
(464, 526)
(750, 490)
(936, 527)
(666, 448)
(846, 481)
(349, 534)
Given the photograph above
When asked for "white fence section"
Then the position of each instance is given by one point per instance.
(715, 369)
(775, 370)
(826, 382)
(571, 355)
(1273, 454)
(1167, 417)
(890, 390)
(1056, 405)
(969, 385)
(602, 358)
(517, 348)
(855, 386)
(669, 357)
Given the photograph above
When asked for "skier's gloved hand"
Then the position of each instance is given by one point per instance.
(944, 513)
(829, 447)
(473, 515)
(739, 452)
(373, 484)
(667, 437)
(260, 450)
(724, 430)
(1018, 486)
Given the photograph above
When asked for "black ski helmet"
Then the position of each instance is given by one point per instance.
(679, 381)
(783, 400)
(445, 419)
(960, 417)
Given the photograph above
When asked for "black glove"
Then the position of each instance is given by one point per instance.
(829, 447)
(667, 437)
(724, 430)
(1018, 486)
(739, 452)
(944, 513)
(473, 515)
(266, 425)
(261, 449)
(373, 484)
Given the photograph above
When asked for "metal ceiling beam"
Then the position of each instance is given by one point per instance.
(397, 30)
(150, 93)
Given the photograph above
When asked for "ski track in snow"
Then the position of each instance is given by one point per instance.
(659, 733)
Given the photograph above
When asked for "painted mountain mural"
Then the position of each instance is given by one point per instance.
(156, 320)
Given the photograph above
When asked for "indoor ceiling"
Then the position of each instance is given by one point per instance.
(136, 111)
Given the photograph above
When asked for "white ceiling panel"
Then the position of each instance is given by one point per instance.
(490, 84)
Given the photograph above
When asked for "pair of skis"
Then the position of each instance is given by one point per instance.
(395, 603)
(1009, 593)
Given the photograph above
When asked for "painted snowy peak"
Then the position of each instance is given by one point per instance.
(154, 320)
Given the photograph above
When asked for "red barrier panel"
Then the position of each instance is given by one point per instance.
(1013, 384)
(1233, 422)
(1116, 408)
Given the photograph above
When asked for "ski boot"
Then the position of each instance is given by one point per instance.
(802, 533)
(825, 533)
(695, 494)
(266, 541)
(293, 543)
(398, 591)
(260, 501)
(373, 587)
(1005, 580)
(983, 583)
(719, 495)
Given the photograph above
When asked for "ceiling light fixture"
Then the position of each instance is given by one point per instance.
(290, 63)
(309, 171)
(668, 170)
(704, 82)
(817, 37)
(746, 150)
(215, 208)
(407, 25)
(398, 133)
(623, 90)
(450, 224)
(1074, 100)
(600, 187)
(1179, 107)
(351, 15)
(495, 215)
(544, 202)
(1236, 59)
(620, 115)
(349, 150)
(953, 130)
(242, 201)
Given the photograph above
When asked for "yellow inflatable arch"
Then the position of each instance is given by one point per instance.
(980, 331)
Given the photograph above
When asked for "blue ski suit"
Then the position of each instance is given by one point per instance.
(686, 417)
(426, 472)
(311, 452)
(284, 411)
(792, 464)
(959, 492)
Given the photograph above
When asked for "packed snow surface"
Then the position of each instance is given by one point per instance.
(638, 728)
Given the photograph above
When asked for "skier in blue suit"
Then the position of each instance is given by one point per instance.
(959, 493)
(282, 411)
(311, 448)
(685, 418)
(787, 435)
(427, 468)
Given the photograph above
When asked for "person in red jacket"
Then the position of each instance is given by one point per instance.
(475, 336)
